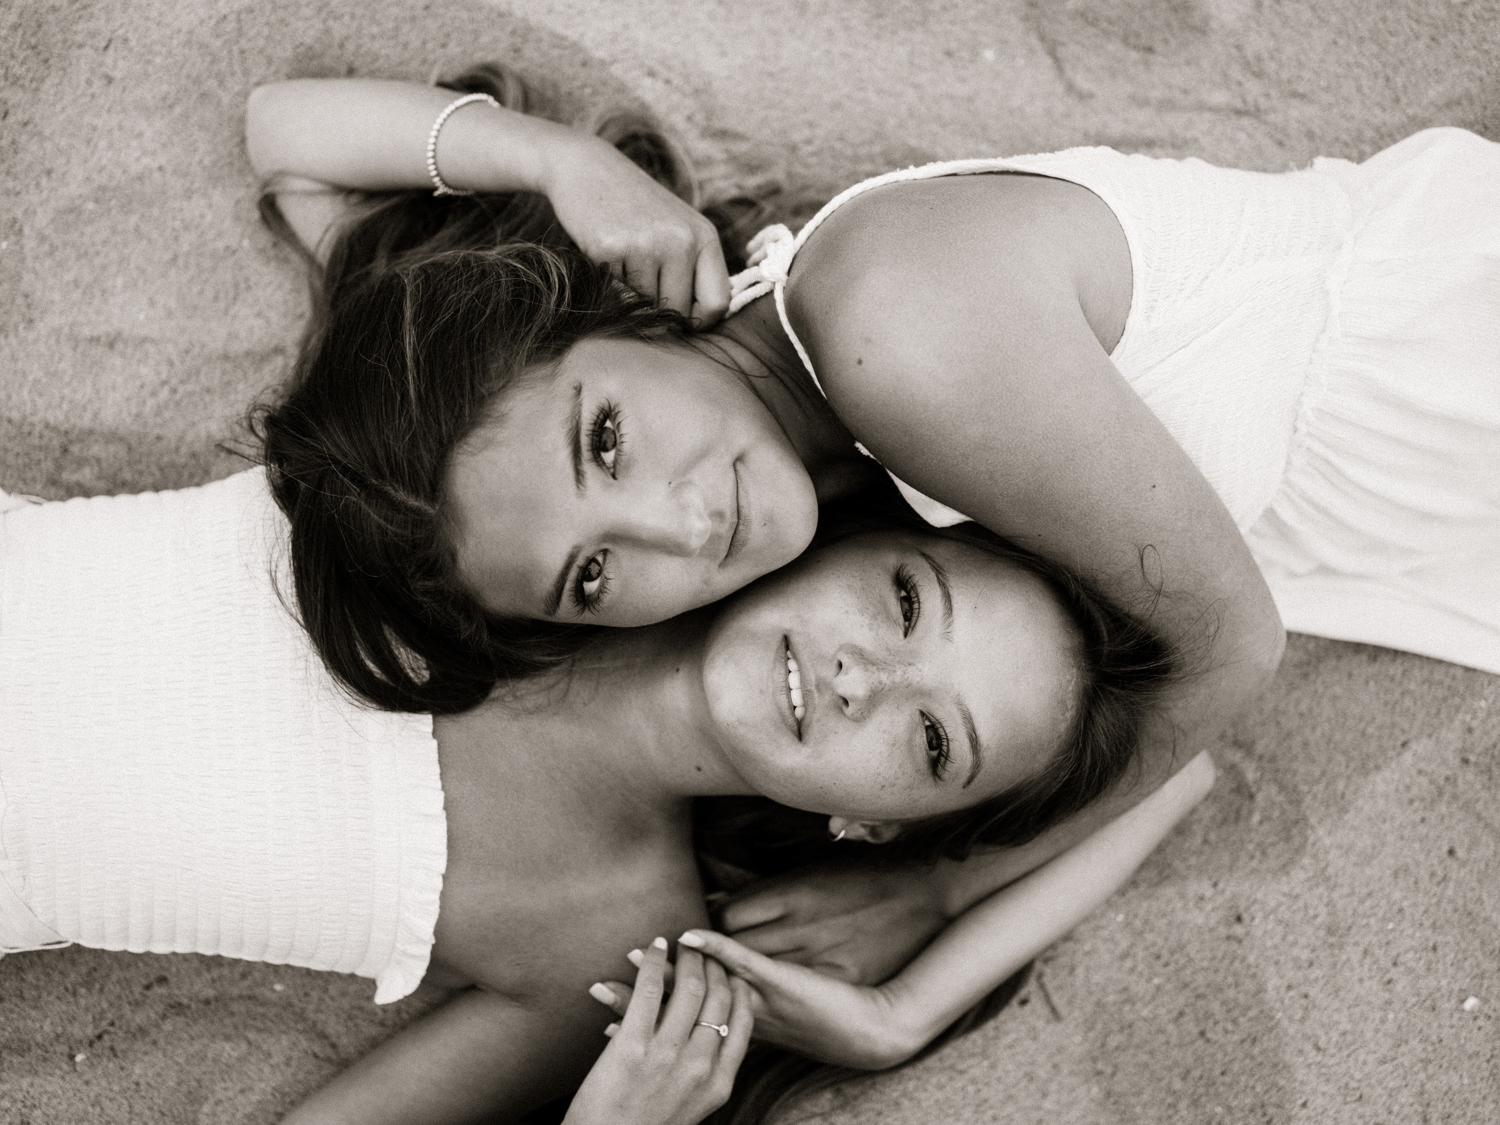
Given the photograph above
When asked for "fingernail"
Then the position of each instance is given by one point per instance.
(635, 957)
(611, 1030)
(602, 994)
(659, 943)
(692, 940)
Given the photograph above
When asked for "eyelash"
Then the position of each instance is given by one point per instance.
(909, 599)
(607, 416)
(906, 588)
(938, 759)
(585, 602)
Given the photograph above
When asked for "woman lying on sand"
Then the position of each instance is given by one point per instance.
(179, 775)
(1216, 394)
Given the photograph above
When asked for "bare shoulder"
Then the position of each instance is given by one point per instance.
(555, 928)
(927, 271)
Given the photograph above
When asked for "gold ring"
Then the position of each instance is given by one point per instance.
(721, 1028)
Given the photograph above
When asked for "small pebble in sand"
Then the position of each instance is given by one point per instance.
(988, 54)
(79, 1057)
(1471, 1003)
(278, 988)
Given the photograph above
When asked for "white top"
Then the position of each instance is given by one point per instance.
(1325, 346)
(179, 774)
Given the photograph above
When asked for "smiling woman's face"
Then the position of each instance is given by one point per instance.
(631, 483)
(933, 676)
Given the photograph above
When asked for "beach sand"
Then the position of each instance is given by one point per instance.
(1301, 950)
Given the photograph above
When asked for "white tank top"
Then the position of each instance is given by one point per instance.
(1232, 273)
(179, 774)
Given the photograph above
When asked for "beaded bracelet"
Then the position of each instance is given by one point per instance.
(439, 187)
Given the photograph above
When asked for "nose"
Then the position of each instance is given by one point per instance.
(674, 520)
(863, 676)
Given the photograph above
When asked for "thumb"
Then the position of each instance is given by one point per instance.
(742, 961)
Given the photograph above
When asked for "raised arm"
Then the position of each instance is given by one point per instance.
(875, 1027)
(311, 140)
(959, 344)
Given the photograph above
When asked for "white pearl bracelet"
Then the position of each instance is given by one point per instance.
(439, 187)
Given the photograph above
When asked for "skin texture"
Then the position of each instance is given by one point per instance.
(649, 476)
(572, 801)
(904, 646)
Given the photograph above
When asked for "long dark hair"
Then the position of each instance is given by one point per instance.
(409, 360)
(426, 311)
(1124, 667)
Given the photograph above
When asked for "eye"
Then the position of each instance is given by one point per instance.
(605, 437)
(938, 751)
(908, 598)
(592, 583)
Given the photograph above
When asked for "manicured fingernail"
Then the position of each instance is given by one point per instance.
(659, 943)
(602, 994)
(610, 1031)
(692, 940)
(635, 957)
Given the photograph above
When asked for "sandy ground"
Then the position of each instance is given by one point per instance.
(1300, 951)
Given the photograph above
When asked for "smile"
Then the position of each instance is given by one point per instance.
(741, 519)
(794, 688)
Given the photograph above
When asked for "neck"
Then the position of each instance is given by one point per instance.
(770, 367)
(630, 717)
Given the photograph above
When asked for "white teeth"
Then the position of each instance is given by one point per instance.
(794, 685)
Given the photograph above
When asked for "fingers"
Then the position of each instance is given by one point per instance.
(688, 993)
(741, 1024)
(642, 273)
(751, 912)
(645, 1000)
(710, 284)
(635, 956)
(675, 283)
(614, 995)
(738, 959)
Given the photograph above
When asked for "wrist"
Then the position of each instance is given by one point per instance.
(518, 152)
(561, 155)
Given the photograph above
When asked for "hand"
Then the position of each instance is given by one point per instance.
(804, 1011)
(649, 238)
(853, 924)
(675, 1071)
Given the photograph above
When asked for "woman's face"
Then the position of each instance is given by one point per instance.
(633, 483)
(933, 676)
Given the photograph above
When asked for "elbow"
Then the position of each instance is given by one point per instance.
(261, 109)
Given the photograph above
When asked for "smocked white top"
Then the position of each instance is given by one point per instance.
(1325, 345)
(179, 774)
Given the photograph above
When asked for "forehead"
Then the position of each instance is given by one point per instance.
(508, 486)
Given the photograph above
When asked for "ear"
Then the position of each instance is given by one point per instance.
(865, 831)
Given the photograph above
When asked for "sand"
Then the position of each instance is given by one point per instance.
(1301, 950)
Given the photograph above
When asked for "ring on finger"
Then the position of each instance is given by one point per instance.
(721, 1028)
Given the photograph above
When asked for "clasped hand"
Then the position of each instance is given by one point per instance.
(817, 948)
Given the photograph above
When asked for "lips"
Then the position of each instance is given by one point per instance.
(792, 696)
(741, 518)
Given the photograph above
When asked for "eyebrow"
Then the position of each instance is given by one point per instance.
(575, 436)
(974, 749)
(575, 454)
(945, 590)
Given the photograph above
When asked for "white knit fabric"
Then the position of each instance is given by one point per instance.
(1325, 345)
(178, 772)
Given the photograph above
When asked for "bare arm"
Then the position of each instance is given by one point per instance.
(875, 1027)
(956, 345)
(309, 140)
(480, 1056)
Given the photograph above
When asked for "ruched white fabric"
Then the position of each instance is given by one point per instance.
(178, 773)
(1325, 346)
